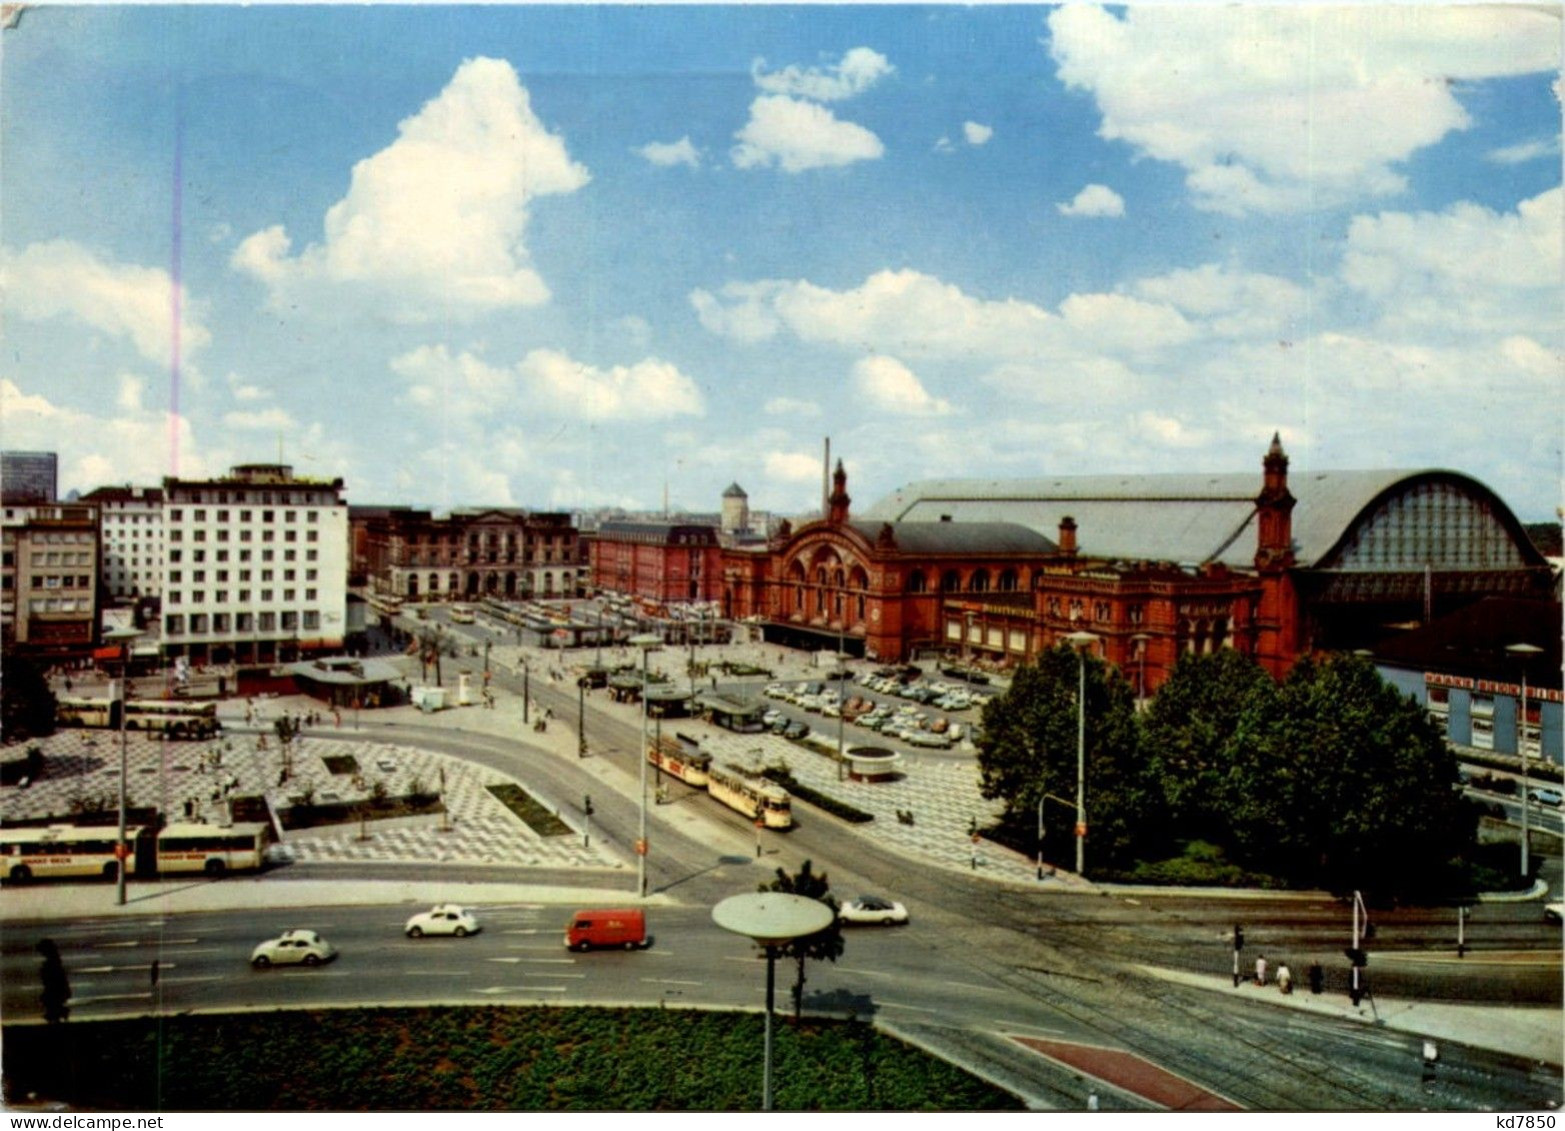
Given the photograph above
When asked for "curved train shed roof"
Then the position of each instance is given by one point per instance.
(1184, 518)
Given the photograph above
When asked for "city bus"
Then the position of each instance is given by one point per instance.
(176, 718)
(754, 797)
(173, 717)
(211, 849)
(85, 712)
(61, 851)
(462, 614)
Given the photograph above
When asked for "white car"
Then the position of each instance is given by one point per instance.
(872, 909)
(1554, 913)
(293, 948)
(443, 919)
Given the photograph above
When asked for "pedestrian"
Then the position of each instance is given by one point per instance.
(56, 986)
(1260, 970)
(1284, 978)
(1317, 978)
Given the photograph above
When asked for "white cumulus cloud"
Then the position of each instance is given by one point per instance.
(1094, 200)
(666, 153)
(62, 279)
(889, 385)
(1277, 108)
(434, 224)
(860, 69)
(1467, 267)
(795, 135)
(549, 382)
(976, 134)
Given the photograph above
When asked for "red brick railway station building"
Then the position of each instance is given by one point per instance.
(1154, 565)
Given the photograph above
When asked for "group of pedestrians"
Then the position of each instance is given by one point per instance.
(1285, 976)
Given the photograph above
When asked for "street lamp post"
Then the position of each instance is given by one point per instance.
(1524, 653)
(123, 637)
(526, 687)
(646, 642)
(772, 919)
(1080, 642)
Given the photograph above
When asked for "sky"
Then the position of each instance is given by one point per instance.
(582, 256)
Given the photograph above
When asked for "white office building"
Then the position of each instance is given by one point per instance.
(255, 566)
(130, 531)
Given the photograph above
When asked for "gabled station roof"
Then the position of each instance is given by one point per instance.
(1184, 518)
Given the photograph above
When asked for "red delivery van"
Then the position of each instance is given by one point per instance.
(618, 928)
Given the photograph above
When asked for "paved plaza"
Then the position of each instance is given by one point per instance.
(937, 794)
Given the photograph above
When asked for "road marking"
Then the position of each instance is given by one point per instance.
(970, 986)
(314, 973)
(523, 990)
(527, 930)
(127, 966)
(524, 946)
(434, 973)
(123, 942)
(512, 960)
(188, 981)
(109, 997)
(671, 982)
(900, 1005)
(549, 961)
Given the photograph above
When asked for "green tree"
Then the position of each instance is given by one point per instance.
(1029, 747)
(826, 945)
(27, 706)
(1347, 784)
(1188, 733)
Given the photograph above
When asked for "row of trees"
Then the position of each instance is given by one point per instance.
(1330, 779)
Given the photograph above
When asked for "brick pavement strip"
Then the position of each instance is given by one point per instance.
(1130, 1073)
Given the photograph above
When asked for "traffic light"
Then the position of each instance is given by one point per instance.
(1356, 956)
(586, 806)
(1238, 937)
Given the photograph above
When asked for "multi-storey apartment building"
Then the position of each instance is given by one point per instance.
(466, 555)
(48, 579)
(255, 566)
(130, 530)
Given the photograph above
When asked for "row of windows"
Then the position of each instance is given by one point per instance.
(222, 623)
(176, 576)
(177, 556)
(60, 605)
(220, 596)
(261, 498)
(61, 581)
(61, 558)
(200, 515)
(221, 533)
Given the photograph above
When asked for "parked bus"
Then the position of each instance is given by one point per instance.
(462, 614)
(61, 851)
(754, 797)
(176, 718)
(212, 849)
(84, 712)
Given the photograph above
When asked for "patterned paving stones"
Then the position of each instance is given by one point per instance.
(85, 772)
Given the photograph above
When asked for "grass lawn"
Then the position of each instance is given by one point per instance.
(477, 1059)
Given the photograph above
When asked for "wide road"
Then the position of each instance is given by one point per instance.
(980, 963)
(924, 979)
